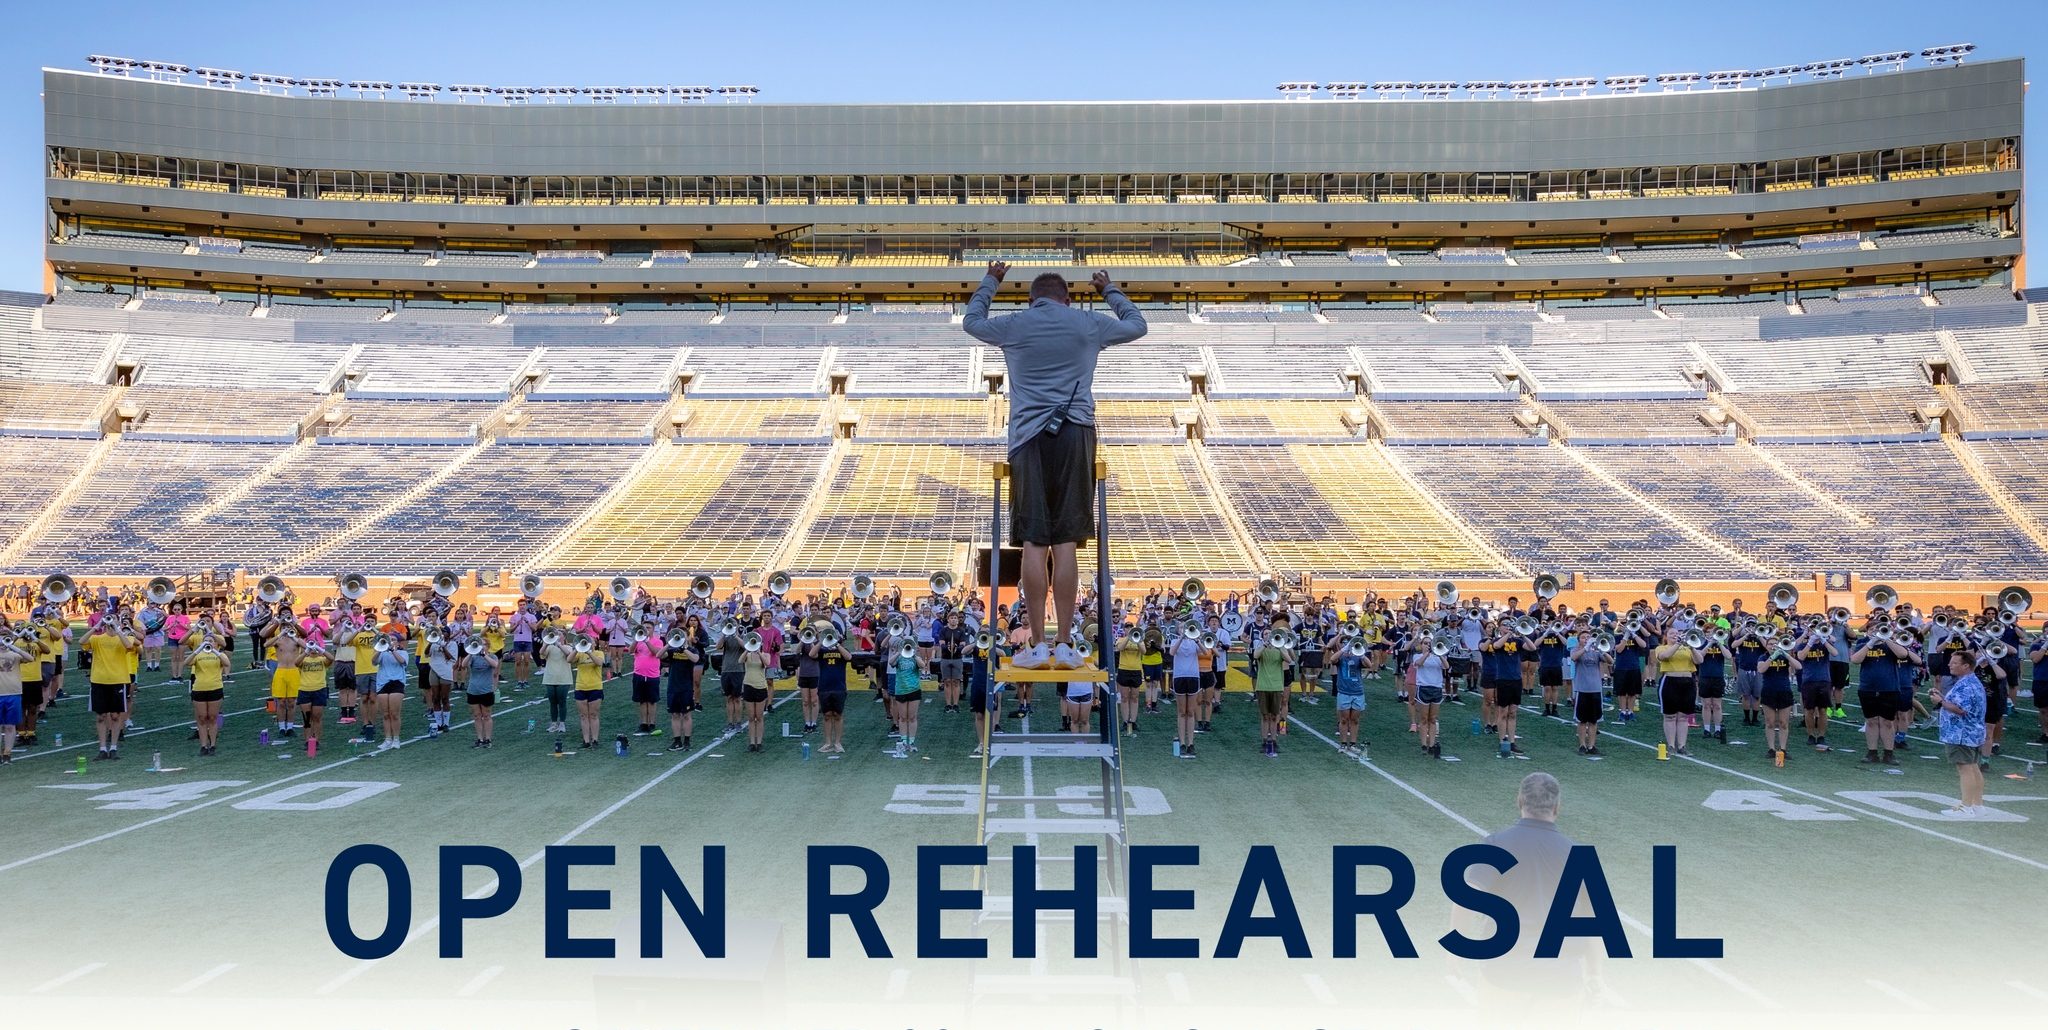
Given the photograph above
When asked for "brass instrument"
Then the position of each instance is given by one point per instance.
(473, 648)
(2015, 601)
(620, 589)
(751, 642)
(1546, 586)
(1447, 593)
(1695, 640)
(701, 587)
(160, 590)
(1525, 626)
(863, 587)
(584, 644)
(984, 640)
(353, 586)
(1881, 598)
(59, 589)
(896, 625)
(1667, 592)
(808, 637)
(1192, 590)
(1783, 596)
(382, 645)
(270, 590)
(1268, 590)
(941, 583)
(1439, 645)
(530, 586)
(551, 638)
(1604, 643)
(778, 583)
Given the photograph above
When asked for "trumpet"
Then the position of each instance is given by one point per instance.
(1084, 649)
(584, 644)
(639, 636)
(270, 590)
(473, 648)
(751, 642)
(160, 590)
(1667, 592)
(1268, 589)
(434, 637)
(984, 640)
(1941, 620)
(1695, 640)
(530, 586)
(701, 587)
(2008, 618)
(59, 588)
(1721, 637)
(1838, 615)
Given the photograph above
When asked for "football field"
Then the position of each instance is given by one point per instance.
(118, 877)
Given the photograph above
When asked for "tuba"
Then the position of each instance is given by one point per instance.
(353, 586)
(620, 589)
(59, 589)
(1881, 598)
(778, 583)
(1447, 593)
(1191, 590)
(702, 586)
(1268, 589)
(446, 583)
(270, 590)
(530, 586)
(160, 590)
(1545, 586)
(1783, 596)
(2015, 601)
(863, 587)
(941, 583)
(1667, 592)
(752, 641)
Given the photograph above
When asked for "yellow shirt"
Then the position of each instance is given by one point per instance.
(494, 639)
(109, 658)
(1130, 655)
(313, 669)
(32, 666)
(1679, 663)
(587, 672)
(365, 645)
(206, 670)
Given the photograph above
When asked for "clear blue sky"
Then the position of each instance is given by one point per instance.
(909, 51)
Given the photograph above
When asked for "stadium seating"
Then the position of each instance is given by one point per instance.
(32, 408)
(1146, 368)
(416, 421)
(1835, 414)
(140, 502)
(1824, 362)
(53, 354)
(758, 371)
(1542, 509)
(444, 316)
(607, 373)
(1341, 510)
(926, 418)
(2020, 468)
(332, 312)
(1257, 370)
(443, 370)
(1610, 419)
(584, 421)
(38, 470)
(1133, 421)
(779, 418)
(1610, 369)
(899, 508)
(906, 366)
(221, 413)
(496, 511)
(1440, 371)
(712, 508)
(1247, 421)
(1168, 520)
(2017, 354)
(195, 363)
(1451, 420)
(2005, 409)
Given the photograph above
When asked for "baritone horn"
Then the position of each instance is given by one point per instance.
(1881, 598)
(1447, 593)
(620, 588)
(1545, 586)
(59, 588)
(2015, 600)
(1667, 592)
(1783, 596)
(941, 583)
(270, 590)
(160, 590)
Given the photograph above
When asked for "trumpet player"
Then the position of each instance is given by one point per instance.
(34, 679)
(13, 659)
(108, 647)
(557, 674)
(210, 665)
(2037, 653)
(1713, 684)
(346, 629)
(648, 652)
(478, 670)
(951, 643)
(1678, 663)
(1631, 649)
(830, 652)
(1130, 676)
(525, 628)
(314, 662)
(1589, 666)
(755, 693)
(1816, 681)
(284, 651)
(176, 625)
(1880, 657)
(1432, 677)
(1346, 662)
(683, 655)
(1190, 657)
(1776, 670)
(389, 665)
(589, 666)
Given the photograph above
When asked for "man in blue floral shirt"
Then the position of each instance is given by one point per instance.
(1962, 727)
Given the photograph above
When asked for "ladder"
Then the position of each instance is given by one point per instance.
(1108, 978)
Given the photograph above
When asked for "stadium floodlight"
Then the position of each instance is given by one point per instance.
(694, 94)
(1732, 79)
(324, 88)
(1486, 89)
(465, 93)
(165, 71)
(555, 94)
(517, 95)
(370, 88)
(1680, 81)
(1436, 90)
(1833, 69)
(1528, 89)
(112, 65)
(1297, 90)
(1764, 76)
(419, 90)
(1347, 90)
(1890, 62)
(739, 94)
(1625, 84)
(1952, 53)
(644, 94)
(602, 94)
(1577, 87)
(268, 83)
(220, 77)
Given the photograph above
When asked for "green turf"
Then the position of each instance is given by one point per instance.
(201, 883)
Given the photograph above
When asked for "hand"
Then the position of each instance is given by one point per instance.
(1101, 282)
(998, 269)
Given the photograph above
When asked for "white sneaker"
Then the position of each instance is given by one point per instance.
(1065, 657)
(387, 744)
(1037, 656)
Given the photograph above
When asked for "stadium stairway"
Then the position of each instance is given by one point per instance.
(2025, 519)
(1478, 540)
(1960, 369)
(1807, 486)
(650, 458)
(1699, 535)
(1214, 482)
(400, 503)
(240, 490)
(814, 502)
(11, 553)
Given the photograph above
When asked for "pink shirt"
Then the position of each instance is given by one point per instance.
(647, 657)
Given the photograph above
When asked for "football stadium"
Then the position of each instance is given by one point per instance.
(1471, 430)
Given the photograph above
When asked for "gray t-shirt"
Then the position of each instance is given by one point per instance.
(1049, 350)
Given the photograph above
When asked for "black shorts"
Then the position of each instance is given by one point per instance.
(313, 698)
(1155, 673)
(1678, 695)
(682, 695)
(1713, 687)
(1628, 683)
(1878, 704)
(208, 696)
(646, 689)
(1838, 675)
(1507, 693)
(831, 702)
(1994, 704)
(807, 683)
(1777, 699)
(1208, 681)
(1586, 708)
(1312, 660)
(1052, 487)
(1815, 695)
(483, 700)
(589, 695)
(731, 683)
(391, 687)
(1129, 679)
(1186, 686)
(345, 678)
(109, 698)
(1550, 676)
(754, 695)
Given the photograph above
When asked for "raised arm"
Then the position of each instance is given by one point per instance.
(976, 321)
(1129, 323)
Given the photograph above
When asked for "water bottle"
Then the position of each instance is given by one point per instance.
(156, 761)
(81, 765)
(60, 740)
(807, 750)
(619, 746)
(1477, 729)
(312, 747)
(529, 726)
(263, 738)
(1176, 747)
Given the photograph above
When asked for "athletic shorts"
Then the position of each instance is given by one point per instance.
(1628, 683)
(831, 702)
(1713, 687)
(484, 700)
(1586, 708)
(807, 683)
(1963, 754)
(522, 647)
(1815, 695)
(391, 687)
(1186, 686)
(51, 669)
(1080, 693)
(753, 695)
(1838, 675)
(950, 668)
(1878, 704)
(731, 683)
(1311, 661)
(1507, 693)
(1351, 702)
(1052, 487)
(682, 695)
(10, 710)
(978, 698)
(1270, 702)
(646, 689)
(1777, 699)
(589, 695)
(284, 684)
(1749, 683)
(2040, 694)
(1994, 704)
(1550, 677)
(345, 678)
(1129, 679)
(1208, 681)
(208, 696)
(1155, 673)
(1429, 695)
(109, 698)
(32, 697)
(1678, 695)
(313, 698)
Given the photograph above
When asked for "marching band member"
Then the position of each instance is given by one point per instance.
(478, 670)
(1588, 666)
(210, 665)
(1877, 692)
(1268, 661)
(647, 656)
(557, 674)
(589, 665)
(1550, 666)
(1189, 659)
(1513, 649)
(951, 642)
(440, 662)
(12, 659)
(1713, 683)
(525, 630)
(108, 646)
(497, 638)
(314, 662)
(1631, 647)
(176, 625)
(1130, 676)
(284, 652)
(833, 662)
(684, 656)
(1776, 670)
(344, 658)
(390, 669)
(1816, 683)
(1678, 665)
(34, 644)
(1432, 675)
(2037, 653)
(906, 696)
(755, 694)
(1347, 684)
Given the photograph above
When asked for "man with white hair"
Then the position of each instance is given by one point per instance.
(1540, 851)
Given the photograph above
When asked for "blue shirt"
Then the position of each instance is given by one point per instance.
(1966, 729)
(1049, 352)
(1586, 672)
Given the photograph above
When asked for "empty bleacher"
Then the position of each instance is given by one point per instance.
(1833, 362)
(712, 508)
(1133, 421)
(2016, 354)
(197, 363)
(927, 418)
(608, 373)
(37, 470)
(423, 315)
(137, 503)
(1167, 519)
(30, 407)
(329, 312)
(1836, 414)
(1278, 422)
(781, 418)
(1578, 370)
(886, 368)
(53, 354)
(1620, 419)
(1145, 368)
(2004, 408)
(2020, 467)
(436, 370)
(495, 512)
(1341, 510)
(219, 413)
(1263, 370)
(577, 421)
(413, 421)
(899, 508)
(1446, 371)
(1451, 420)
(763, 371)
(1541, 508)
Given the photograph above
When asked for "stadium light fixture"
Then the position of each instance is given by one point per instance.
(514, 95)
(165, 71)
(1297, 90)
(1346, 90)
(1950, 54)
(1623, 85)
(1888, 62)
(739, 94)
(368, 88)
(1678, 81)
(1527, 89)
(1577, 87)
(1833, 69)
(1436, 90)
(1732, 79)
(323, 88)
(219, 78)
(601, 94)
(1786, 72)
(268, 83)
(1486, 89)
(465, 93)
(111, 65)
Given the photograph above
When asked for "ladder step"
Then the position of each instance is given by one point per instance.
(1097, 826)
(1009, 983)
(1052, 749)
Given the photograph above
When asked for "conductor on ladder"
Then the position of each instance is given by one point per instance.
(1049, 351)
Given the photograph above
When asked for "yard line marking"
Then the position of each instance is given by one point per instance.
(1464, 989)
(1638, 925)
(168, 816)
(2027, 989)
(126, 737)
(428, 926)
(52, 984)
(203, 979)
(1837, 802)
(1319, 989)
(1898, 995)
(476, 983)
(899, 985)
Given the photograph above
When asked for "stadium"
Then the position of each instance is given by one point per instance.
(1748, 340)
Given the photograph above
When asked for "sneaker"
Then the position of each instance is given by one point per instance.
(1593, 752)
(1037, 656)
(675, 744)
(977, 753)
(1065, 657)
